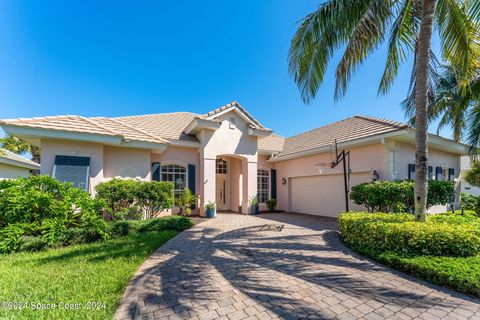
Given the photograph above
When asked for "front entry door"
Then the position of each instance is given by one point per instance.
(222, 192)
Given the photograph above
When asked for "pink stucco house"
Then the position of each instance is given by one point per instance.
(227, 156)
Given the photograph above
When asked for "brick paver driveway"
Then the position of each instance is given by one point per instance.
(239, 267)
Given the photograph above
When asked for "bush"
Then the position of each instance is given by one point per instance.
(153, 196)
(31, 244)
(34, 199)
(399, 233)
(11, 234)
(397, 196)
(118, 194)
(175, 223)
(120, 228)
(470, 202)
(124, 198)
(271, 204)
(472, 176)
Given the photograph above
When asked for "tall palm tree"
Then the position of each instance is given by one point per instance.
(360, 27)
(17, 145)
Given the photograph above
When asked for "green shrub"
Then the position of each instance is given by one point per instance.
(397, 196)
(154, 196)
(125, 198)
(271, 204)
(175, 223)
(11, 234)
(118, 194)
(472, 176)
(73, 236)
(34, 199)
(399, 233)
(470, 202)
(29, 243)
(120, 228)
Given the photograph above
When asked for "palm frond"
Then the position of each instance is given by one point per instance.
(402, 36)
(320, 33)
(473, 138)
(458, 37)
(366, 37)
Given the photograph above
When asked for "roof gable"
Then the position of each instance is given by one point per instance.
(237, 108)
(13, 159)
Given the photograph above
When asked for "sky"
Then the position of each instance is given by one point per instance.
(118, 58)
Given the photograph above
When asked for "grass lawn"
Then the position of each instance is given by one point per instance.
(91, 275)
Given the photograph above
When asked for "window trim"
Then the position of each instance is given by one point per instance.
(267, 170)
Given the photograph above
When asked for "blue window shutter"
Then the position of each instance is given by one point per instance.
(430, 172)
(451, 174)
(191, 177)
(273, 182)
(411, 169)
(156, 171)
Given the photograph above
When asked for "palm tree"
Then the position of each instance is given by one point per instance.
(18, 146)
(361, 26)
(452, 104)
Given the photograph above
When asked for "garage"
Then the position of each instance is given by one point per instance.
(323, 195)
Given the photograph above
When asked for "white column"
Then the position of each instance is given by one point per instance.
(249, 190)
(207, 182)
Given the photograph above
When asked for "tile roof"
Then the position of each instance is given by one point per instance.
(348, 129)
(272, 143)
(22, 162)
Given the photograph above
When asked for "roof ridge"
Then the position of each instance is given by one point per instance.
(155, 114)
(383, 121)
(136, 129)
(98, 126)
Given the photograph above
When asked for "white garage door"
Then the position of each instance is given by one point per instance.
(323, 195)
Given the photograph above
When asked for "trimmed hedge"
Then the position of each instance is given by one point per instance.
(397, 196)
(399, 233)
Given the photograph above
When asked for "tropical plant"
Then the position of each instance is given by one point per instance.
(454, 105)
(472, 176)
(470, 202)
(361, 26)
(253, 201)
(186, 201)
(153, 197)
(18, 146)
(271, 204)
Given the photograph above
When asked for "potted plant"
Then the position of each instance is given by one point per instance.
(254, 205)
(271, 204)
(211, 209)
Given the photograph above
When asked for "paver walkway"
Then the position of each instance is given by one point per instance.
(242, 267)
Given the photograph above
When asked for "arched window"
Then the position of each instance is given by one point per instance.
(177, 174)
(263, 185)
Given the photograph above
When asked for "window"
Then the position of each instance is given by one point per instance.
(231, 123)
(439, 173)
(221, 166)
(430, 172)
(262, 185)
(72, 169)
(176, 174)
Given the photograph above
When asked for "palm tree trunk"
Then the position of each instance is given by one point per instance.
(421, 106)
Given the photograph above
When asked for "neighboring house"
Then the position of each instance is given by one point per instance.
(227, 156)
(13, 166)
(464, 185)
